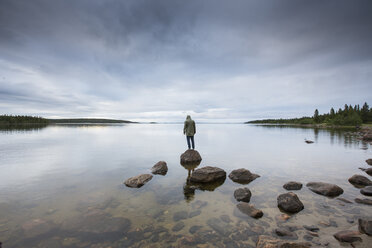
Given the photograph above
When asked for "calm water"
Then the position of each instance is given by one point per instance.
(62, 186)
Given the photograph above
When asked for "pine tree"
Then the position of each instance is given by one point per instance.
(316, 116)
(364, 112)
(332, 112)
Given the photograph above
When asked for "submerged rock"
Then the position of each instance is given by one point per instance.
(363, 201)
(37, 227)
(292, 185)
(249, 210)
(367, 191)
(179, 226)
(190, 156)
(181, 215)
(160, 168)
(242, 194)
(360, 181)
(289, 202)
(285, 232)
(220, 226)
(242, 176)
(207, 174)
(265, 241)
(365, 226)
(312, 228)
(138, 181)
(325, 189)
(347, 236)
(369, 161)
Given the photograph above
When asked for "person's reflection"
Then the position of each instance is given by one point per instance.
(188, 188)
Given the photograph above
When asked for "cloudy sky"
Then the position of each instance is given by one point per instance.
(159, 60)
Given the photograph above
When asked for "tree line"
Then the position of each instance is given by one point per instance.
(13, 120)
(348, 116)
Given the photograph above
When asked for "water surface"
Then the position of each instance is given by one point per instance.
(62, 186)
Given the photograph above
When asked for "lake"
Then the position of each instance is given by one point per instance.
(62, 185)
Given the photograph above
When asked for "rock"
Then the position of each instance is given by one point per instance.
(367, 191)
(347, 236)
(242, 194)
(242, 176)
(367, 136)
(343, 200)
(363, 201)
(160, 168)
(360, 181)
(199, 204)
(138, 181)
(220, 226)
(325, 189)
(249, 210)
(369, 161)
(190, 156)
(311, 228)
(179, 226)
(284, 232)
(365, 226)
(309, 141)
(194, 229)
(292, 186)
(290, 202)
(282, 217)
(225, 218)
(368, 171)
(271, 242)
(181, 215)
(194, 213)
(207, 174)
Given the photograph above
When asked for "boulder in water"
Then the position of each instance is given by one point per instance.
(242, 194)
(347, 236)
(207, 174)
(363, 201)
(325, 189)
(265, 241)
(289, 202)
(190, 156)
(242, 176)
(138, 181)
(250, 210)
(369, 161)
(360, 181)
(367, 191)
(365, 226)
(292, 185)
(160, 168)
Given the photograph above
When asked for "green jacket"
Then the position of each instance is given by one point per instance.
(189, 127)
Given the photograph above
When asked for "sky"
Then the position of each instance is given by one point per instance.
(161, 60)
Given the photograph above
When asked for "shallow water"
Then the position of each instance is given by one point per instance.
(62, 186)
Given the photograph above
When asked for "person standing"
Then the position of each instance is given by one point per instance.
(189, 130)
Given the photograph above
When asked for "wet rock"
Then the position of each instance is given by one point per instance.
(282, 217)
(194, 213)
(265, 241)
(138, 181)
(367, 191)
(190, 156)
(225, 218)
(249, 210)
(360, 181)
(308, 237)
(242, 176)
(220, 226)
(160, 168)
(37, 227)
(207, 174)
(178, 227)
(194, 229)
(242, 194)
(368, 171)
(325, 189)
(292, 185)
(289, 202)
(369, 161)
(365, 226)
(347, 236)
(314, 234)
(343, 200)
(181, 215)
(312, 228)
(284, 232)
(309, 141)
(363, 201)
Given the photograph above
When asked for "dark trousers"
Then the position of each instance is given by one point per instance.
(192, 141)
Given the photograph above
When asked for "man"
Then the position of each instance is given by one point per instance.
(189, 130)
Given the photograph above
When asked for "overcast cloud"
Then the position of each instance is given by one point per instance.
(159, 60)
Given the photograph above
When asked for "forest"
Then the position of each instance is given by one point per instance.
(347, 116)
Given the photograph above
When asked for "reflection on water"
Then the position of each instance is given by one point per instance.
(61, 186)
